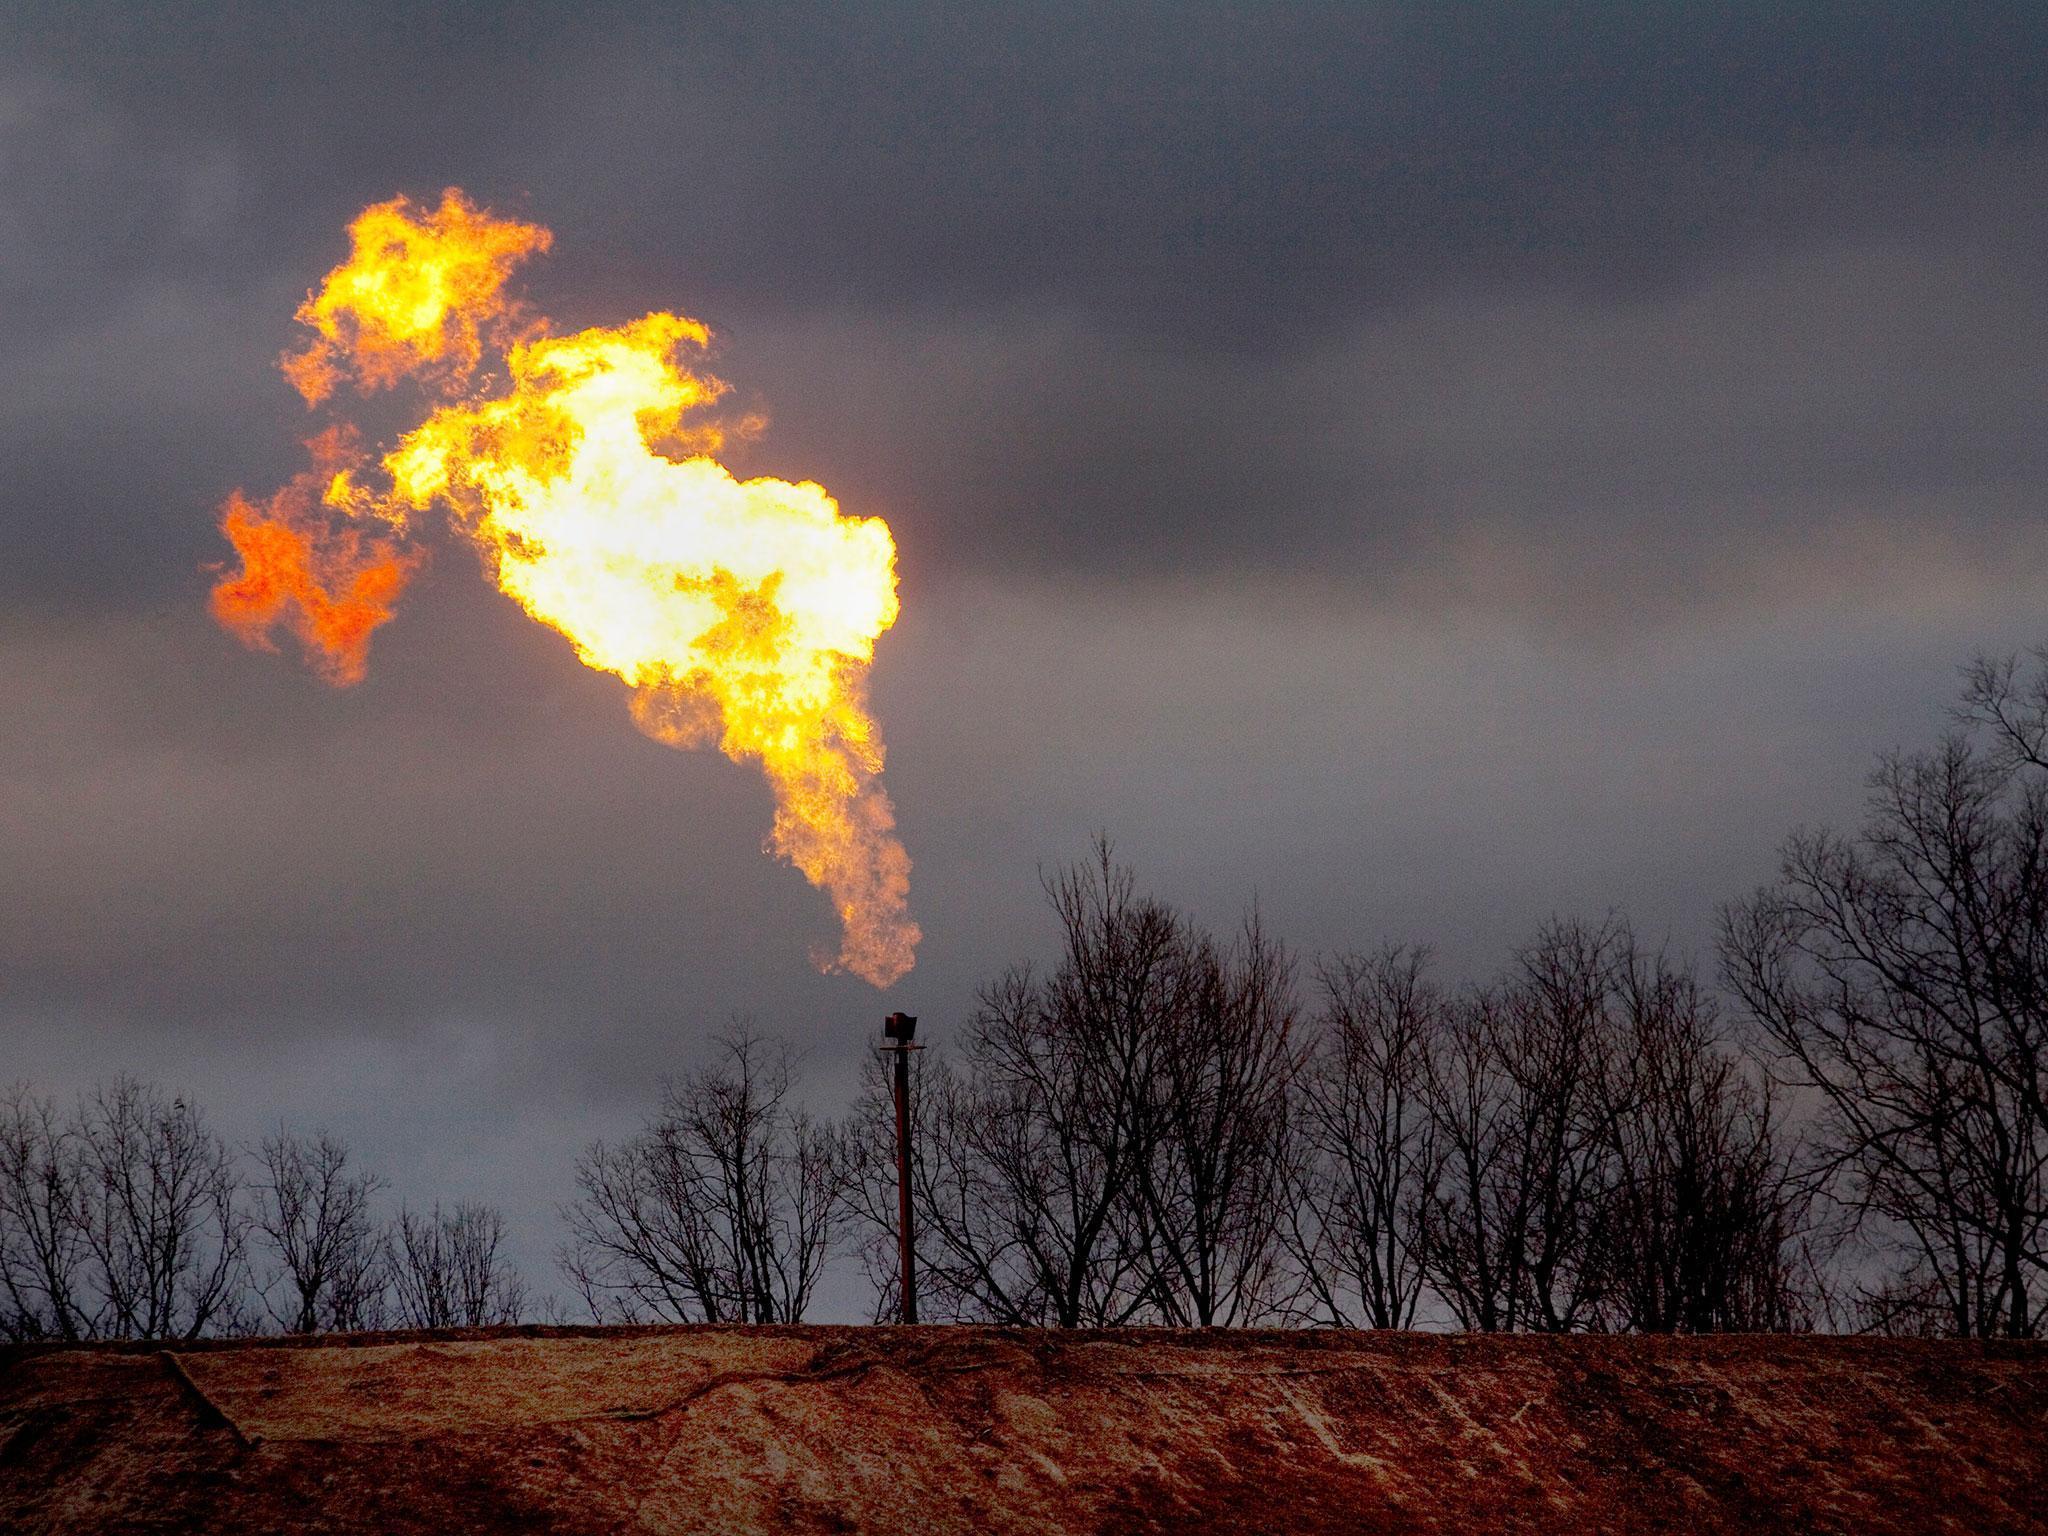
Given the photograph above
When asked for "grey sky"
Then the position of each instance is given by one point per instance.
(1428, 467)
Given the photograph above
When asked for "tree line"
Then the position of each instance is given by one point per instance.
(128, 1217)
(1842, 1125)
(1167, 1128)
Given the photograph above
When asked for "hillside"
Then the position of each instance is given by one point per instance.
(987, 1430)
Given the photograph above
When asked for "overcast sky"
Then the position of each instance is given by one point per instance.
(1427, 467)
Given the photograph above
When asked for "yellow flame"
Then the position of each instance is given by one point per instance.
(420, 293)
(742, 612)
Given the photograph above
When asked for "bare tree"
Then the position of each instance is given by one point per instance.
(1109, 1142)
(1215, 1129)
(1030, 1149)
(314, 1215)
(1702, 1224)
(1476, 1218)
(2006, 697)
(1903, 975)
(450, 1270)
(129, 1218)
(158, 1201)
(1518, 1096)
(44, 1259)
(2013, 707)
(721, 1210)
(864, 1179)
(1369, 1151)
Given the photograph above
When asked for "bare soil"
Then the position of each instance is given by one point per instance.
(732, 1430)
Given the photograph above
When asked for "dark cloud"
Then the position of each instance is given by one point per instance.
(1142, 288)
(1783, 394)
(1214, 160)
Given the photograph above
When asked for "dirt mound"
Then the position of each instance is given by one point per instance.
(990, 1430)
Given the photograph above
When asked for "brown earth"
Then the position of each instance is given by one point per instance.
(991, 1430)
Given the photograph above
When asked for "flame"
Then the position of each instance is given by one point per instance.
(419, 294)
(329, 583)
(743, 613)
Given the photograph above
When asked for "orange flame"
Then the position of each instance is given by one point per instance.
(419, 295)
(329, 584)
(743, 613)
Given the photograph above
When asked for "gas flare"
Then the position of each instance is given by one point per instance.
(303, 567)
(420, 295)
(741, 612)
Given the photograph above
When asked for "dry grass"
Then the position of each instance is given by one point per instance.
(986, 1430)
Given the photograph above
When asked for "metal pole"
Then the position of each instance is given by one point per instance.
(904, 1241)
